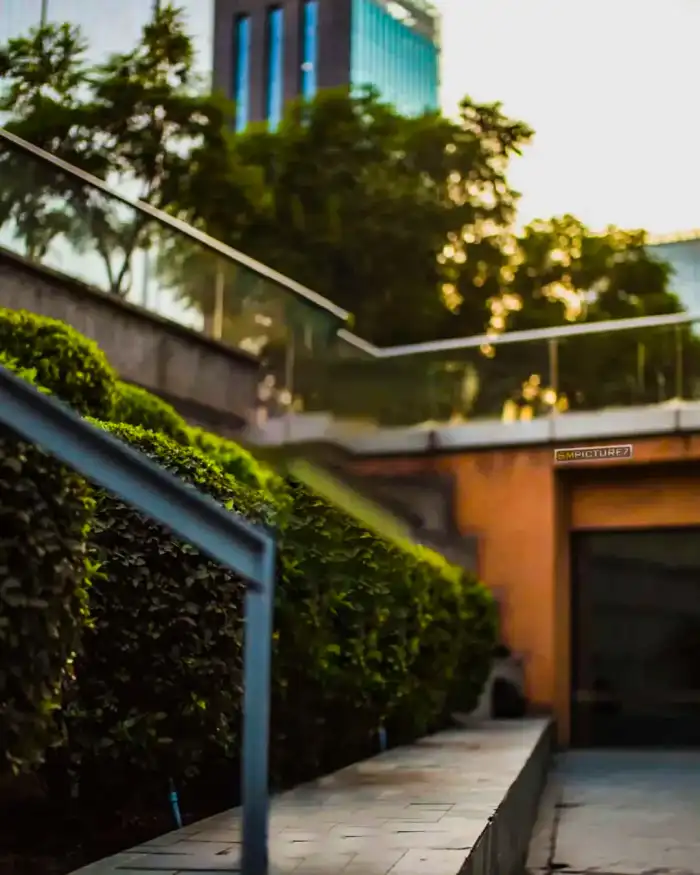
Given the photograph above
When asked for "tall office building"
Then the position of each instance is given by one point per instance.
(267, 52)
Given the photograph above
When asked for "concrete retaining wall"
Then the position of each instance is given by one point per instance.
(503, 846)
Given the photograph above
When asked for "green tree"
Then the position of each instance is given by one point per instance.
(43, 75)
(374, 211)
(564, 273)
(362, 204)
(140, 121)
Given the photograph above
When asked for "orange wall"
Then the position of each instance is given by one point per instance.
(506, 498)
(522, 507)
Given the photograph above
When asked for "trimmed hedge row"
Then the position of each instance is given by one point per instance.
(158, 681)
(65, 362)
(368, 633)
(136, 406)
(235, 461)
(45, 511)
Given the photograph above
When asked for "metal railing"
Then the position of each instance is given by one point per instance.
(556, 333)
(294, 288)
(227, 538)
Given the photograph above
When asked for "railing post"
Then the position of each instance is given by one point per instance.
(553, 355)
(259, 607)
(679, 362)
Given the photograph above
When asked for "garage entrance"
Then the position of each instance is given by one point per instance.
(636, 638)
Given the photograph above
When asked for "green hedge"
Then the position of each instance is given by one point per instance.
(369, 633)
(366, 633)
(68, 364)
(136, 406)
(45, 511)
(158, 683)
(235, 460)
(457, 638)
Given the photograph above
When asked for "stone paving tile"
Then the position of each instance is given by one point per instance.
(428, 863)
(641, 809)
(418, 809)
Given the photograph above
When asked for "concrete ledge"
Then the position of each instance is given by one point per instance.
(564, 429)
(462, 802)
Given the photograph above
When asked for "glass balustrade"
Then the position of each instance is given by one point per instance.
(318, 381)
(502, 379)
(67, 222)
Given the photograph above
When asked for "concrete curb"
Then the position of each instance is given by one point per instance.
(502, 847)
(462, 801)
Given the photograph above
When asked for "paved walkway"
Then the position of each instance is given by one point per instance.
(620, 813)
(418, 809)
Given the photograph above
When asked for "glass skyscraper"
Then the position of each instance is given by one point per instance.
(293, 48)
(266, 52)
(388, 50)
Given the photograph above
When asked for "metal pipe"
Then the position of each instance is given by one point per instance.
(558, 332)
(217, 322)
(256, 718)
(679, 362)
(109, 462)
(532, 335)
(553, 354)
(248, 550)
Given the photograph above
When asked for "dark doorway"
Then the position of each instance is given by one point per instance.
(636, 638)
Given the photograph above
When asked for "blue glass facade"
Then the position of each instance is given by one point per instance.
(309, 49)
(402, 64)
(275, 65)
(241, 88)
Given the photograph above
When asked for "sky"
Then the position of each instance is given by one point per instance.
(611, 89)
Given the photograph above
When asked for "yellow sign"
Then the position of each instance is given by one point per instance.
(593, 454)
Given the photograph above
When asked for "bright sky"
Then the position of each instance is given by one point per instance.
(611, 89)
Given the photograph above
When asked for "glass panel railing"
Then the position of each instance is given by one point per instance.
(434, 389)
(634, 368)
(63, 220)
(503, 379)
(598, 371)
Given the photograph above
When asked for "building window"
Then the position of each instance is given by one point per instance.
(309, 49)
(275, 61)
(241, 87)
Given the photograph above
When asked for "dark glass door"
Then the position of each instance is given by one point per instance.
(636, 638)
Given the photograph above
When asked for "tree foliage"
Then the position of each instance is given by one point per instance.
(139, 121)
(364, 202)
(563, 273)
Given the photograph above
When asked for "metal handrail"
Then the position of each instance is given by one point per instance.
(560, 332)
(246, 549)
